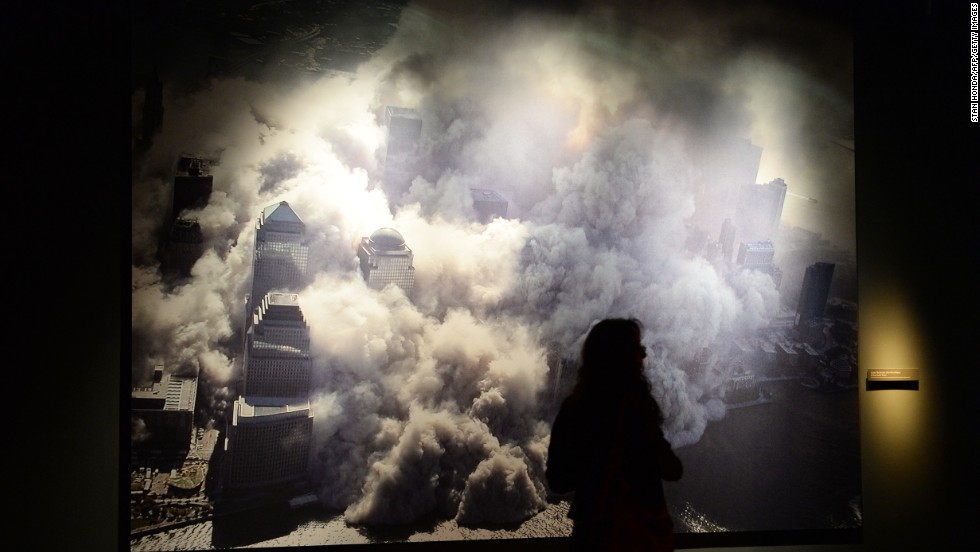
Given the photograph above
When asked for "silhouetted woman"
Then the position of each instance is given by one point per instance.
(608, 447)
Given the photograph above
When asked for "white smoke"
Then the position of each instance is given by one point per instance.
(434, 403)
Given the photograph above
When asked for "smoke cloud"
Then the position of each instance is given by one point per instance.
(595, 131)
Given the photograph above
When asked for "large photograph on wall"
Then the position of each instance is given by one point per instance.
(369, 238)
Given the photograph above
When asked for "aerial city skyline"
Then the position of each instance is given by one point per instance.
(393, 264)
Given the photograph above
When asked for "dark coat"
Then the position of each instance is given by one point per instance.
(585, 434)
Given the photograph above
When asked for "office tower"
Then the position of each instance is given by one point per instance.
(527, 252)
(758, 256)
(183, 244)
(727, 240)
(269, 435)
(814, 293)
(401, 163)
(759, 210)
(162, 416)
(268, 448)
(404, 130)
(277, 350)
(776, 274)
(183, 247)
(755, 256)
(488, 204)
(385, 259)
(193, 183)
(281, 256)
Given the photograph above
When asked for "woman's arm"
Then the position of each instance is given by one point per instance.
(671, 468)
(561, 465)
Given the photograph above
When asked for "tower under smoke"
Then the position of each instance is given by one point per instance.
(813, 295)
(727, 240)
(277, 350)
(385, 259)
(184, 246)
(488, 204)
(760, 208)
(401, 163)
(758, 256)
(193, 184)
(268, 448)
(163, 416)
(270, 432)
(281, 257)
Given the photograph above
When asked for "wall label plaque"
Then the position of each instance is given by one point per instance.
(893, 374)
(893, 378)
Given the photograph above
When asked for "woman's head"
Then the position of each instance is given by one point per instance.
(612, 353)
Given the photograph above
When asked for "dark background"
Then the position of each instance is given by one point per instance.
(917, 175)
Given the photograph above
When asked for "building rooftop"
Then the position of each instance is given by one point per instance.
(402, 112)
(172, 392)
(262, 348)
(254, 409)
(280, 212)
(194, 165)
(482, 194)
(286, 299)
(387, 239)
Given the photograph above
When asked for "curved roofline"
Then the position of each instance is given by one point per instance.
(387, 238)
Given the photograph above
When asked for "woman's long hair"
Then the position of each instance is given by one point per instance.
(611, 363)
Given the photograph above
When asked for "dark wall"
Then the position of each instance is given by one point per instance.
(917, 154)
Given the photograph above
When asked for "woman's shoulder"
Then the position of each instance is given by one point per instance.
(594, 402)
(570, 405)
(591, 409)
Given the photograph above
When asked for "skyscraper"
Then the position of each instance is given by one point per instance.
(488, 204)
(193, 184)
(281, 257)
(270, 432)
(755, 256)
(727, 239)
(268, 448)
(163, 416)
(814, 293)
(404, 130)
(183, 244)
(759, 210)
(277, 350)
(402, 150)
(759, 256)
(183, 247)
(385, 259)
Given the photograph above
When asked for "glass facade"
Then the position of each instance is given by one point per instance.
(282, 256)
(269, 446)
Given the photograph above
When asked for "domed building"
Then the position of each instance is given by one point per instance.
(385, 259)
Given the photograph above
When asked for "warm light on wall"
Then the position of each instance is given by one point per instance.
(892, 339)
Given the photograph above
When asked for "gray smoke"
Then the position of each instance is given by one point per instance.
(595, 134)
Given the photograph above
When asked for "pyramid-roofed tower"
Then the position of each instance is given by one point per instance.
(281, 257)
